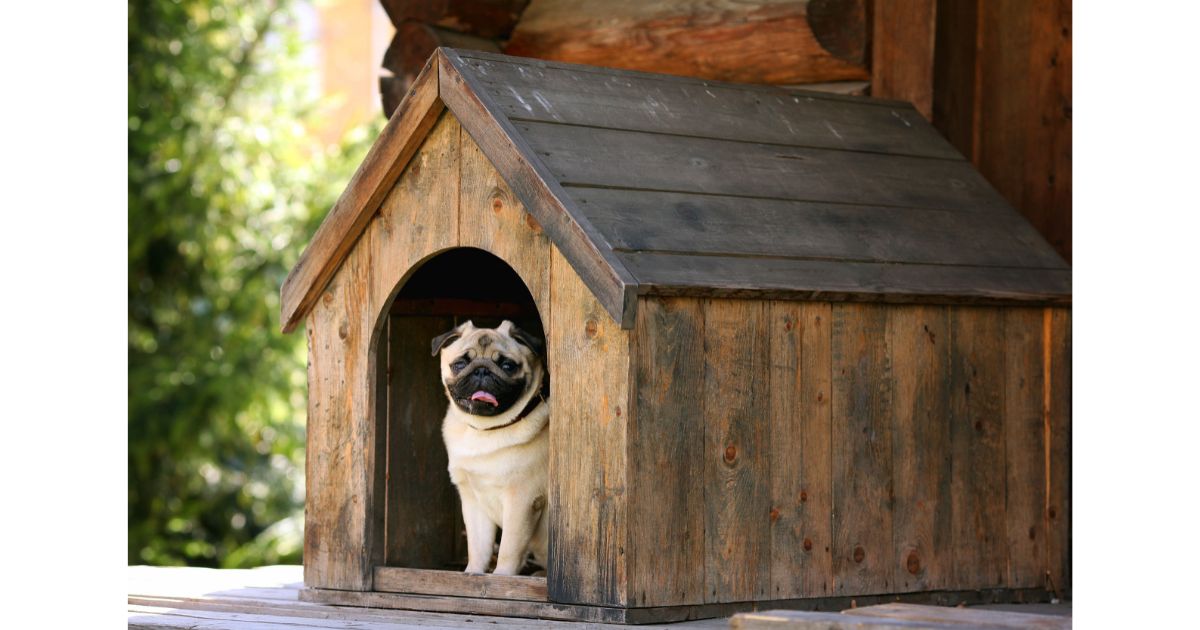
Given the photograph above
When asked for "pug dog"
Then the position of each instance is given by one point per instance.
(497, 440)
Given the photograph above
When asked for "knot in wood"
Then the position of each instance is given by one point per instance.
(343, 329)
(807, 544)
(859, 554)
(803, 496)
(774, 514)
(590, 328)
(730, 454)
(497, 204)
(913, 563)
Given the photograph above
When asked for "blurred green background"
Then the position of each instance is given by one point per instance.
(228, 177)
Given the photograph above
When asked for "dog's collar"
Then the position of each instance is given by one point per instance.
(533, 403)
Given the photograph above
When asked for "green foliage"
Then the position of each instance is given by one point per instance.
(226, 184)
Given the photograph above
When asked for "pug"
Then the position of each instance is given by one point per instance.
(497, 440)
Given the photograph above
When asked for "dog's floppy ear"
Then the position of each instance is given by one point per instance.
(444, 339)
(527, 340)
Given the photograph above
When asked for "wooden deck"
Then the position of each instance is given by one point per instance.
(269, 598)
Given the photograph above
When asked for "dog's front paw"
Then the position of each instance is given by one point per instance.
(475, 570)
(502, 570)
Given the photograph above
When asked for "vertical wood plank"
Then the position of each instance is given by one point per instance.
(666, 455)
(919, 339)
(1058, 454)
(422, 503)
(977, 443)
(799, 450)
(590, 375)
(902, 52)
(736, 465)
(341, 447)
(1024, 446)
(862, 450)
(493, 219)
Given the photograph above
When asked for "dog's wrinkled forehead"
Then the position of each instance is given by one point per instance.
(490, 343)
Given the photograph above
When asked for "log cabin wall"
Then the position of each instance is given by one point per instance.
(849, 449)
(993, 77)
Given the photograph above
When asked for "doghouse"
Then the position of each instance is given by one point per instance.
(800, 352)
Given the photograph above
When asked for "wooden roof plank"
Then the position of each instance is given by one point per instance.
(384, 162)
(735, 226)
(636, 102)
(589, 156)
(580, 243)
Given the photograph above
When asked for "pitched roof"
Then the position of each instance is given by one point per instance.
(656, 184)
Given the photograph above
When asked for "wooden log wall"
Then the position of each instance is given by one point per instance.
(893, 449)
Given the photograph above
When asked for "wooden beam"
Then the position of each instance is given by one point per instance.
(761, 41)
(349, 216)
(483, 18)
(411, 47)
(902, 52)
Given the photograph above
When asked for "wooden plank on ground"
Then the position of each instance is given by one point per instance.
(799, 279)
(530, 90)
(589, 402)
(902, 50)
(1024, 446)
(862, 450)
(961, 617)
(736, 451)
(587, 156)
(1058, 454)
(765, 41)
(644, 221)
(458, 584)
(666, 549)
(977, 442)
(799, 389)
(919, 342)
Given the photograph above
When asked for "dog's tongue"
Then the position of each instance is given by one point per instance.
(485, 397)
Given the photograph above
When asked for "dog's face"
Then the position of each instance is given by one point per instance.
(488, 370)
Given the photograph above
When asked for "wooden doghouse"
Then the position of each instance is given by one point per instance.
(800, 351)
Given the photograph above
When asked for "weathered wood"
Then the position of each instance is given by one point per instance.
(1003, 97)
(1057, 412)
(799, 418)
(781, 278)
(767, 41)
(415, 41)
(370, 184)
(340, 464)
(458, 584)
(421, 502)
(666, 549)
(1024, 446)
(644, 221)
(962, 617)
(467, 605)
(586, 156)
(919, 343)
(808, 620)
(902, 50)
(977, 443)
(862, 417)
(530, 90)
(580, 244)
(484, 18)
(492, 218)
(587, 444)
(736, 451)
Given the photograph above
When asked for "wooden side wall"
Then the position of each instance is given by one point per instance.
(451, 196)
(789, 450)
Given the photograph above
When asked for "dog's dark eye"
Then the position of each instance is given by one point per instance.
(458, 365)
(508, 366)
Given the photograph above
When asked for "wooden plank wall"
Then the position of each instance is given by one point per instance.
(892, 449)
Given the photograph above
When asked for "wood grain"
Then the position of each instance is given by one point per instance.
(414, 43)
(862, 416)
(484, 18)
(902, 50)
(588, 441)
(766, 41)
(1024, 446)
(799, 386)
(589, 255)
(586, 156)
(736, 451)
(372, 181)
(666, 551)
(600, 97)
(962, 617)
(458, 584)
(919, 342)
(977, 441)
(1058, 454)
